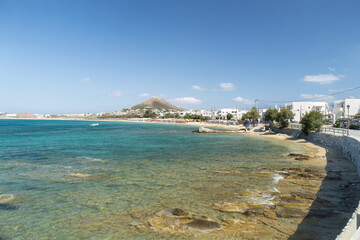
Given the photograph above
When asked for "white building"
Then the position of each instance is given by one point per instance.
(237, 113)
(301, 108)
(340, 107)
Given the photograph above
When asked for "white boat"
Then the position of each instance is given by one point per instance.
(94, 124)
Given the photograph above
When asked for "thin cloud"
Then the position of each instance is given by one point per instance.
(317, 97)
(85, 80)
(243, 100)
(112, 94)
(322, 78)
(227, 86)
(186, 100)
(162, 95)
(144, 95)
(198, 88)
(332, 69)
(339, 90)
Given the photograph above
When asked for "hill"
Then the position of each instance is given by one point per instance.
(156, 103)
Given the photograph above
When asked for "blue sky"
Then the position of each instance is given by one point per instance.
(71, 56)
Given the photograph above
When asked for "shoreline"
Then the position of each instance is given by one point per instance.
(199, 124)
(323, 160)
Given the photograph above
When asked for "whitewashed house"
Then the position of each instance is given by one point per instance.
(340, 107)
(301, 108)
(237, 113)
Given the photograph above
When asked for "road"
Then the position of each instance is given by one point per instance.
(353, 133)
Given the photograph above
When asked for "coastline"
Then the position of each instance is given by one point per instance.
(145, 120)
(300, 189)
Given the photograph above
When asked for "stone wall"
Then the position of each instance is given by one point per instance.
(348, 145)
(351, 150)
(287, 131)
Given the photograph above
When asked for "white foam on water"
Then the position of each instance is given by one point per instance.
(277, 177)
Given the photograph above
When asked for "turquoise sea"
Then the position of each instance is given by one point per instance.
(140, 168)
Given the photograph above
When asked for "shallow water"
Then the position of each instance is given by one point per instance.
(134, 167)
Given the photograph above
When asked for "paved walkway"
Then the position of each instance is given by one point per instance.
(353, 133)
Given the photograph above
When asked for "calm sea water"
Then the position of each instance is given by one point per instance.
(134, 167)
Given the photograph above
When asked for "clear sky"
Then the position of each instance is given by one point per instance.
(72, 56)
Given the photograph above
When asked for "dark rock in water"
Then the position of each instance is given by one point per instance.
(333, 175)
(305, 195)
(179, 212)
(298, 156)
(255, 211)
(322, 213)
(204, 225)
(288, 212)
(8, 207)
(285, 199)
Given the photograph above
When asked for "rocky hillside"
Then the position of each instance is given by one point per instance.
(156, 103)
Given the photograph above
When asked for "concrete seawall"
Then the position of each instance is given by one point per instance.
(351, 150)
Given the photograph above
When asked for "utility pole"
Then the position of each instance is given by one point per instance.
(348, 125)
(254, 110)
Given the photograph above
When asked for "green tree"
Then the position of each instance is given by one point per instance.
(284, 116)
(357, 115)
(229, 116)
(271, 114)
(149, 114)
(171, 115)
(196, 117)
(187, 116)
(251, 115)
(312, 121)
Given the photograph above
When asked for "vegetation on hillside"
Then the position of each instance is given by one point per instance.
(171, 115)
(196, 117)
(149, 114)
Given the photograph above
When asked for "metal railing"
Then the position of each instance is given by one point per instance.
(294, 126)
(334, 131)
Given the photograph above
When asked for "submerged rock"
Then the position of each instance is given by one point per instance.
(304, 195)
(203, 225)
(179, 212)
(178, 220)
(6, 198)
(289, 212)
(135, 214)
(247, 209)
(78, 175)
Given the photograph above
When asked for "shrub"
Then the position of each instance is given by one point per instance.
(312, 121)
(149, 114)
(271, 114)
(356, 127)
(284, 116)
(251, 115)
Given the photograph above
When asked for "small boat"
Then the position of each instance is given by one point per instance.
(94, 124)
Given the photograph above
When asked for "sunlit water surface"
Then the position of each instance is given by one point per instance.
(139, 167)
